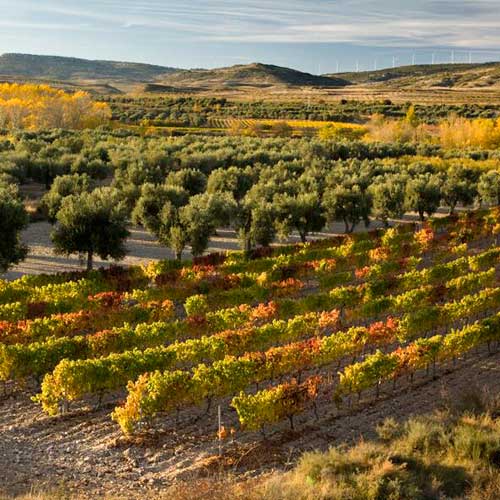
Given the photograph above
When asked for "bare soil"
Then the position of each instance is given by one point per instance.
(83, 452)
(142, 248)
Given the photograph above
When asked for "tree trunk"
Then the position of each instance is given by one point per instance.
(90, 260)
(303, 236)
(178, 256)
(346, 224)
(48, 180)
(247, 246)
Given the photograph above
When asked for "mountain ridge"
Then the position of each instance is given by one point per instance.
(130, 76)
(72, 68)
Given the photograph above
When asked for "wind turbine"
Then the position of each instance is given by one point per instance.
(433, 58)
(413, 59)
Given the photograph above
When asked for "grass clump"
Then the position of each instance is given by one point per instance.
(452, 454)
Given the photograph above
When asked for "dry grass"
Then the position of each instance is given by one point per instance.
(454, 453)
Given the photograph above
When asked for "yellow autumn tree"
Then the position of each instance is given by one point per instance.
(459, 133)
(30, 106)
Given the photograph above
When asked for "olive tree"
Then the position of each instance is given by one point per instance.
(459, 186)
(489, 187)
(423, 194)
(255, 225)
(92, 224)
(64, 185)
(13, 218)
(192, 180)
(349, 203)
(388, 198)
(234, 180)
(180, 225)
(302, 212)
(153, 198)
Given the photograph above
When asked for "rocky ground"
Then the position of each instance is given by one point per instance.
(84, 452)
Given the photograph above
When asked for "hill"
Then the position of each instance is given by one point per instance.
(61, 71)
(250, 75)
(428, 76)
(107, 77)
(73, 69)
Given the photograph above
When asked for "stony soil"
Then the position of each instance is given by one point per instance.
(84, 451)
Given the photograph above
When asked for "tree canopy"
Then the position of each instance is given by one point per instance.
(92, 224)
(36, 107)
(13, 218)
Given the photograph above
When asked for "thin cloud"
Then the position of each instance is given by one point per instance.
(382, 23)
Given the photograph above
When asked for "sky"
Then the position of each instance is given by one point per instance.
(318, 36)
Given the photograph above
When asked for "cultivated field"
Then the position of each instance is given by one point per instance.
(202, 294)
(305, 345)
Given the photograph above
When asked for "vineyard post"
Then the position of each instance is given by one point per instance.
(219, 429)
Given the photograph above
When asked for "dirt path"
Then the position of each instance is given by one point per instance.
(142, 247)
(84, 451)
